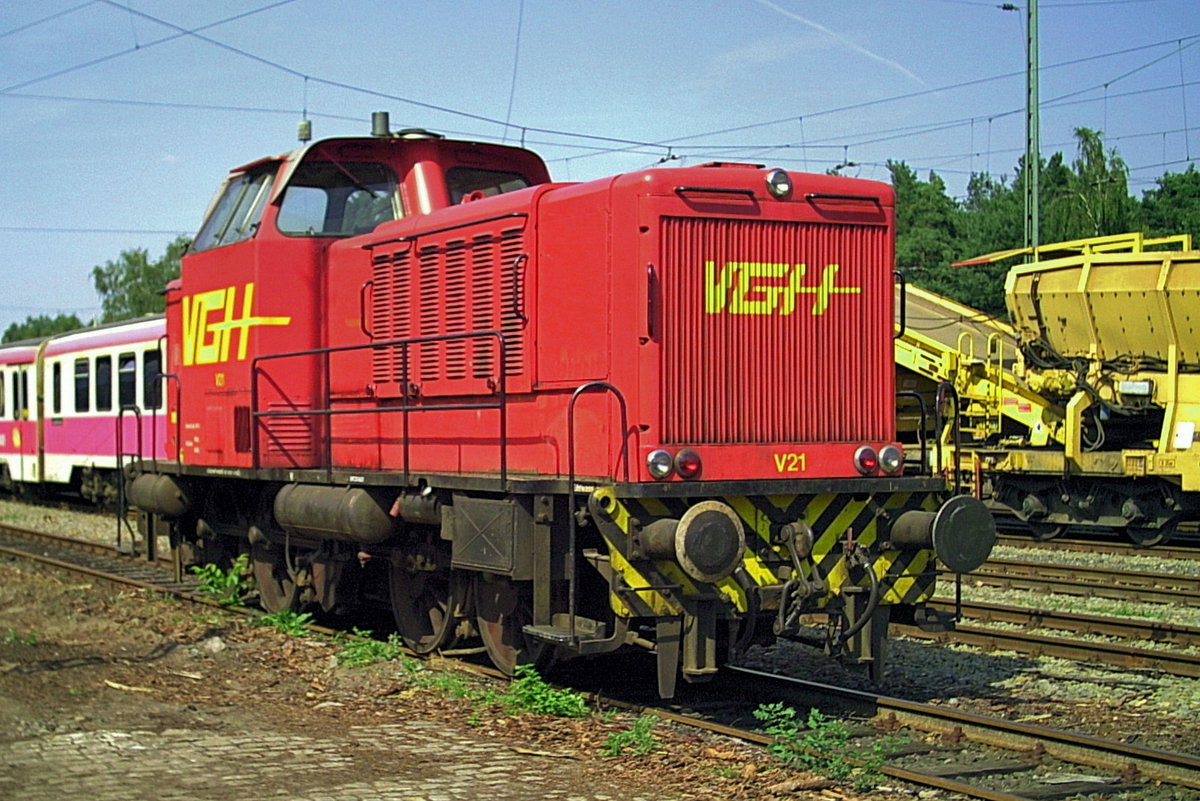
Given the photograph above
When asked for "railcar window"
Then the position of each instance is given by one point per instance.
(126, 380)
(104, 383)
(1, 394)
(152, 379)
(328, 198)
(21, 412)
(83, 383)
(464, 181)
(237, 213)
(56, 390)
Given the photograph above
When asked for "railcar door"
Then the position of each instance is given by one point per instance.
(22, 429)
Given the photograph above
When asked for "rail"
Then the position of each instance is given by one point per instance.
(406, 406)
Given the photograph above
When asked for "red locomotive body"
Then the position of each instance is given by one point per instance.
(558, 412)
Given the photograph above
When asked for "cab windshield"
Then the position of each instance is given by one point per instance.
(332, 198)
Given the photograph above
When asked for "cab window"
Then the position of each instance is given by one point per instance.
(328, 198)
(464, 182)
(238, 211)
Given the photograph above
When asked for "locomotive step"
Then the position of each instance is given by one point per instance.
(560, 633)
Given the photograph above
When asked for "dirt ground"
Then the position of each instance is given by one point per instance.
(192, 699)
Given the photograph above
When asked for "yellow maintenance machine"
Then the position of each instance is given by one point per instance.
(1084, 410)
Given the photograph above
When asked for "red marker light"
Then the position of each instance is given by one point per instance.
(687, 463)
(866, 459)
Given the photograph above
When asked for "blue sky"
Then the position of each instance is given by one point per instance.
(118, 119)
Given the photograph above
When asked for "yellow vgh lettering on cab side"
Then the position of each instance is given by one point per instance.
(753, 287)
(206, 340)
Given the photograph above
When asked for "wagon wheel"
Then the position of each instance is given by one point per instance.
(424, 605)
(277, 592)
(502, 610)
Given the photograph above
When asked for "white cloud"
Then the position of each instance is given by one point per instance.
(852, 45)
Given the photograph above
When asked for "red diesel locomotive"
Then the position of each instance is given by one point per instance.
(654, 410)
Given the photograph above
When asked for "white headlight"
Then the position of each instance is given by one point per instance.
(658, 463)
(891, 459)
(779, 184)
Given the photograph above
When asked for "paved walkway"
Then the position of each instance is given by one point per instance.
(412, 761)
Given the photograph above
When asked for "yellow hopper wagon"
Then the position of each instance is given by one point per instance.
(1084, 409)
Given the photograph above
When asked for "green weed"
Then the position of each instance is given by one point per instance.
(530, 693)
(226, 587)
(285, 621)
(364, 651)
(451, 685)
(822, 747)
(14, 637)
(636, 741)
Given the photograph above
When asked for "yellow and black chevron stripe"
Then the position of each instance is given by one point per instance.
(662, 588)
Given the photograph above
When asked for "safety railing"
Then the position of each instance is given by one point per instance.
(122, 498)
(405, 406)
(591, 386)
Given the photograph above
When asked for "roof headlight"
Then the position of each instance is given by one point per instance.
(891, 459)
(659, 464)
(866, 460)
(779, 184)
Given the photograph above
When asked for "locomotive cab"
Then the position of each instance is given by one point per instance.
(255, 281)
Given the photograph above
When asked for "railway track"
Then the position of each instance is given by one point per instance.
(1032, 643)
(1092, 582)
(1034, 629)
(1110, 547)
(948, 749)
(948, 763)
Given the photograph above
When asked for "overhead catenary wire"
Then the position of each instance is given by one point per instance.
(610, 144)
(624, 143)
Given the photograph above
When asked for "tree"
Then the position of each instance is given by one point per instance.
(1174, 207)
(132, 285)
(1090, 199)
(993, 216)
(41, 326)
(929, 237)
(925, 219)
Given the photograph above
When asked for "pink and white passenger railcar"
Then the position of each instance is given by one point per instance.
(69, 392)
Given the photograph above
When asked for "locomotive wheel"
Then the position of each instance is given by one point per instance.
(502, 609)
(1046, 531)
(423, 604)
(1145, 537)
(276, 590)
